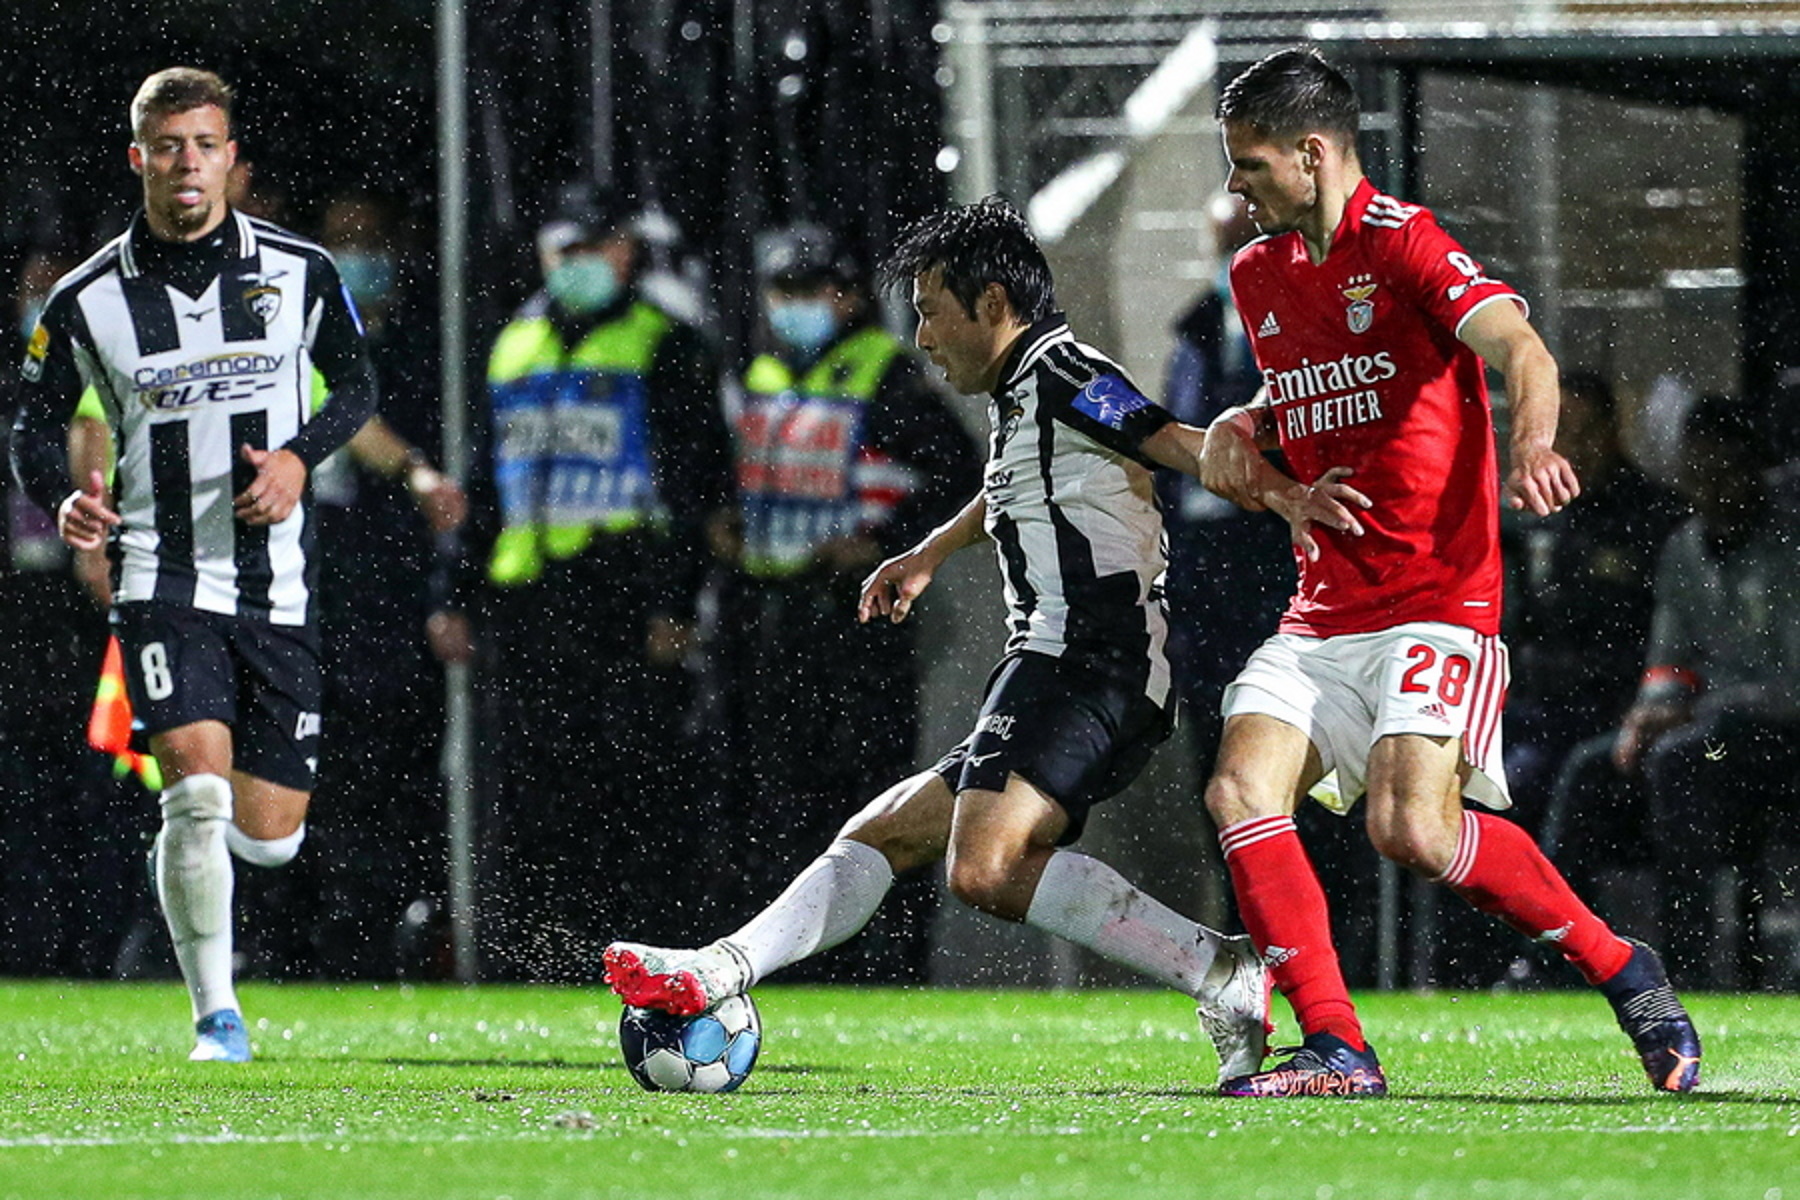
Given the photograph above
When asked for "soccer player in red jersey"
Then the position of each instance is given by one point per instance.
(1386, 676)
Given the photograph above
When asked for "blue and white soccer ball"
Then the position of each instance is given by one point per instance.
(712, 1052)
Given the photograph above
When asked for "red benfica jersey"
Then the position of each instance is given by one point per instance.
(1364, 370)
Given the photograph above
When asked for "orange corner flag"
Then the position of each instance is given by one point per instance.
(109, 723)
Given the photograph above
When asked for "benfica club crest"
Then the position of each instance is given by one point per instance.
(263, 303)
(1361, 313)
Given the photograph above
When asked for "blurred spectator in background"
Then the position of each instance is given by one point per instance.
(1580, 594)
(382, 507)
(610, 469)
(65, 895)
(1701, 775)
(1578, 606)
(846, 455)
(1228, 576)
(257, 193)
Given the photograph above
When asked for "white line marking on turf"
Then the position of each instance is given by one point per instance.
(53, 1141)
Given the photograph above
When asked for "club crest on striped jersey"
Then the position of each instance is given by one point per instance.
(1007, 424)
(263, 303)
(1109, 400)
(1361, 313)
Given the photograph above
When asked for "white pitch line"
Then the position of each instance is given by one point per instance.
(756, 1133)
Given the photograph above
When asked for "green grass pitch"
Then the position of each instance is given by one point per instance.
(396, 1093)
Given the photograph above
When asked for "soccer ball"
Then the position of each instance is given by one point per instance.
(712, 1052)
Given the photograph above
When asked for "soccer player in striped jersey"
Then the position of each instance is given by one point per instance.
(1081, 697)
(1371, 324)
(200, 329)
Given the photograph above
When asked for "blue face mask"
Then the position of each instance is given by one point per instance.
(29, 318)
(582, 284)
(805, 326)
(368, 274)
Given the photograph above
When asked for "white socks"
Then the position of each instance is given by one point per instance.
(193, 880)
(1084, 901)
(828, 902)
(1080, 899)
(275, 852)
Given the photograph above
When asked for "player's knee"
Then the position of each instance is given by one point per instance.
(198, 798)
(1230, 799)
(983, 882)
(908, 824)
(1411, 846)
(195, 812)
(264, 852)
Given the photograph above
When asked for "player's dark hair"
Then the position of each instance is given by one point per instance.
(177, 90)
(975, 245)
(1591, 386)
(1292, 92)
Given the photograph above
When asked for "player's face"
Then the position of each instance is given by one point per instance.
(185, 159)
(967, 348)
(1276, 179)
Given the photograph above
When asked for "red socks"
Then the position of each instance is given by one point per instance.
(1501, 871)
(1497, 868)
(1283, 908)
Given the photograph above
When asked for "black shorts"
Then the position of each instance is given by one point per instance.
(1076, 732)
(184, 665)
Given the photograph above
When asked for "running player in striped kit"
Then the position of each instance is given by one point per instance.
(1371, 324)
(200, 328)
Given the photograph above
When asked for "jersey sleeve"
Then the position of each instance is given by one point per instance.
(340, 355)
(1106, 406)
(50, 386)
(1444, 279)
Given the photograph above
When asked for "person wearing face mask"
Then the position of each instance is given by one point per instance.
(846, 454)
(608, 475)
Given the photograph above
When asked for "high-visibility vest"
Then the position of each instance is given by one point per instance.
(804, 474)
(571, 437)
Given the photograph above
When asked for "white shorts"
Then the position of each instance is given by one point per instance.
(1348, 692)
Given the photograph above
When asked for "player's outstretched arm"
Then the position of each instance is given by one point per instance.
(1540, 479)
(891, 588)
(1232, 463)
(1177, 446)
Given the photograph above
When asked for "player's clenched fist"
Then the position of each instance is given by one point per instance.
(83, 517)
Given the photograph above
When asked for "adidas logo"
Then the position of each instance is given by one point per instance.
(1269, 328)
(1434, 709)
(1274, 956)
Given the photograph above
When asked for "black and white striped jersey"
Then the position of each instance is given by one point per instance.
(197, 349)
(1071, 509)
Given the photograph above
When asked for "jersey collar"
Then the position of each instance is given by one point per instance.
(1347, 227)
(1350, 224)
(1030, 347)
(235, 235)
